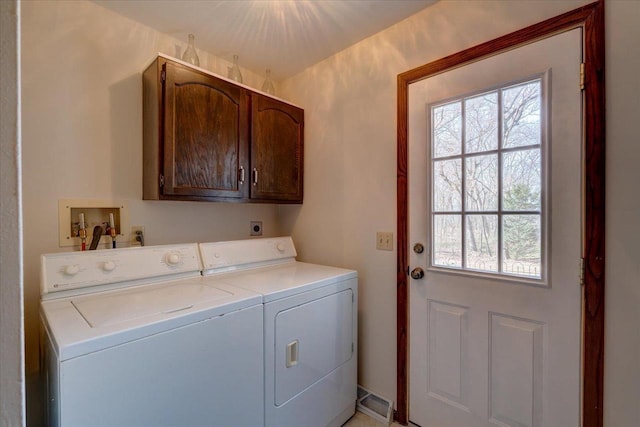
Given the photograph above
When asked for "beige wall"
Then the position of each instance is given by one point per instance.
(622, 295)
(82, 135)
(350, 171)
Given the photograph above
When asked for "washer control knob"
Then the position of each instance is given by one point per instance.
(281, 247)
(173, 259)
(71, 270)
(109, 266)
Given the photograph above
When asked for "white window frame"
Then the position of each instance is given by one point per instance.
(545, 226)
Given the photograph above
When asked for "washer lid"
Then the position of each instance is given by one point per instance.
(103, 310)
(83, 324)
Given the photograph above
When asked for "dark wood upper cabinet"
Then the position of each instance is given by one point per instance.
(206, 134)
(277, 131)
(206, 138)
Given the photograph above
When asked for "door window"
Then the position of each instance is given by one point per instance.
(487, 194)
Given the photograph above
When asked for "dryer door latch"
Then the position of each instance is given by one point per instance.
(292, 354)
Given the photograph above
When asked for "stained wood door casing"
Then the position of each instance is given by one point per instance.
(277, 132)
(206, 135)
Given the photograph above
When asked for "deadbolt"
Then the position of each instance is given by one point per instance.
(417, 273)
(418, 248)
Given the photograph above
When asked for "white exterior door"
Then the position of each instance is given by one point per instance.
(495, 157)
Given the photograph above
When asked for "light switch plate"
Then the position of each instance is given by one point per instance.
(384, 240)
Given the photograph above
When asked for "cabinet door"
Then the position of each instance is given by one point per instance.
(206, 135)
(277, 133)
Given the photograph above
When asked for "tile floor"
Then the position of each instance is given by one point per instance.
(363, 420)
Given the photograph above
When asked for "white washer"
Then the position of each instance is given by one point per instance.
(137, 337)
(310, 328)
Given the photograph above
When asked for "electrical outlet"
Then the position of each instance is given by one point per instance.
(137, 235)
(384, 240)
(256, 228)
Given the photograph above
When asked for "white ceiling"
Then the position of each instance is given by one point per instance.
(284, 35)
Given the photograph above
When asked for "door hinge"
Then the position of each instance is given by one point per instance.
(161, 180)
(581, 271)
(582, 76)
(353, 347)
(163, 75)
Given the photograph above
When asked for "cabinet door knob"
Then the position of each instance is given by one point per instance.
(255, 176)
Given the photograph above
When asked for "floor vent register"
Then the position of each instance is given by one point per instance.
(375, 406)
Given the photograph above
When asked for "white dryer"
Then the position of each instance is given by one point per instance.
(310, 328)
(137, 337)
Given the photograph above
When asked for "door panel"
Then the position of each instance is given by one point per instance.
(515, 370)
(487, 349)
(448, 353)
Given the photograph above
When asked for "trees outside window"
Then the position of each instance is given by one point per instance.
(486, 192)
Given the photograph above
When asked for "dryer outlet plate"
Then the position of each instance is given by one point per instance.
(256, 228)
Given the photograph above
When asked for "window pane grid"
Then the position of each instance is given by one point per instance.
(500, 189)
(486, 213)
(482, 153)
(485, 235)
(463, 219)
